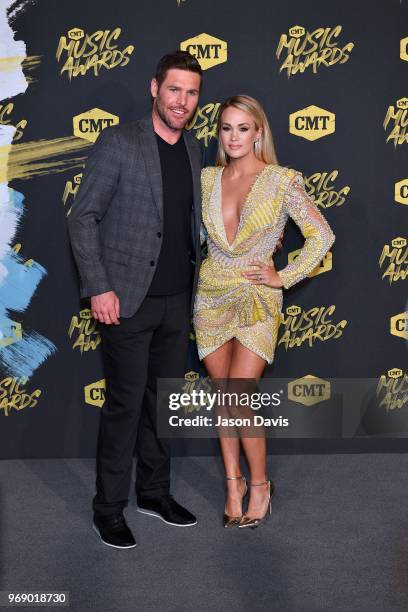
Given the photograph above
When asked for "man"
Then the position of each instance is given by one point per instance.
(134, 232)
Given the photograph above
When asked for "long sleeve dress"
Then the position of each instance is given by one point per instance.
(227, 305)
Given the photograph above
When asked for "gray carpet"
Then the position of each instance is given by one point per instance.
(337, 539)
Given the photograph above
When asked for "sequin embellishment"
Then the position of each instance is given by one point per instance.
(227, 305)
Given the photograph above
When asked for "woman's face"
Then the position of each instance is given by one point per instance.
(238, 133)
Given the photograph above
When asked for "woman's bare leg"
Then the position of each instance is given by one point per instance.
(217, 365)
(246, 364)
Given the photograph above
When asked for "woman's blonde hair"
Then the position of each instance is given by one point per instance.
(263, 148)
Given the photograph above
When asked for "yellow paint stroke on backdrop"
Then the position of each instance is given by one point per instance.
(10, 64)
(29, 64)
(37, 157)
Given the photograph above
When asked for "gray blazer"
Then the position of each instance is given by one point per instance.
(116, 223)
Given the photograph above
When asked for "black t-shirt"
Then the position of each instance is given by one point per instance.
(174, 269)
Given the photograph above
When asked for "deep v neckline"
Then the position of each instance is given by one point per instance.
(244, 206)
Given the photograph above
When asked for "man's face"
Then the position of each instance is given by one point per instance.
(176, 100)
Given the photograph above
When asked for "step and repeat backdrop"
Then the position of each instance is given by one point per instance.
(333, 79)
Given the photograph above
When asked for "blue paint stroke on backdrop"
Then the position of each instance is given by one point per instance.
(21, 282)
(22, 357)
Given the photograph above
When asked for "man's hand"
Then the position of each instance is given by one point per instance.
(106, 308)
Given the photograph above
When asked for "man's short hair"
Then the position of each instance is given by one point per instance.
(182, 60)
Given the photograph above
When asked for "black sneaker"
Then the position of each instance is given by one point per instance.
(167, 509)
(113, 531)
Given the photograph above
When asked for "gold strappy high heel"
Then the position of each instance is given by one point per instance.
(247, 521)
(233, 521)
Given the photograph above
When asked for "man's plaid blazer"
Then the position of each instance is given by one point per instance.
(116, 222)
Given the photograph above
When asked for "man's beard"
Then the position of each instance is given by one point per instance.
(167, 121)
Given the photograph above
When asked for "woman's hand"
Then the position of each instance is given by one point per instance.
(264, 275)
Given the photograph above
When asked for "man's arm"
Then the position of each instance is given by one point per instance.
(97, 188)
(202, 152)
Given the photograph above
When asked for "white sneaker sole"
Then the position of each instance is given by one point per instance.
(94, 527)
(152, 513)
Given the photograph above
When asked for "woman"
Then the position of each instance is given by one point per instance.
(247, 199)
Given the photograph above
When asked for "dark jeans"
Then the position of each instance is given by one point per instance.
(152, 344)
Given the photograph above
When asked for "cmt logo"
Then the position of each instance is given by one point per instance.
(401, 191)
(404, 49)
(395, 373)
(76, 34)
(293, 311)
(208, 50)
(90, 124)
(85, 313)
(399, 243)
(312, 123)
(402, 103)
(399, 325)
(191, 376)
(296, 31)
(309, 390)
(325, 265)
(10, 334)
(95, 393)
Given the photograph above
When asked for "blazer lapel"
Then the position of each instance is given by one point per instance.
(151, 156)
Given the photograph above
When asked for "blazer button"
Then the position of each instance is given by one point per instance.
(159, 234)
(152, 263)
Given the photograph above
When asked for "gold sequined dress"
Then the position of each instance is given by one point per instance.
(227, 305)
